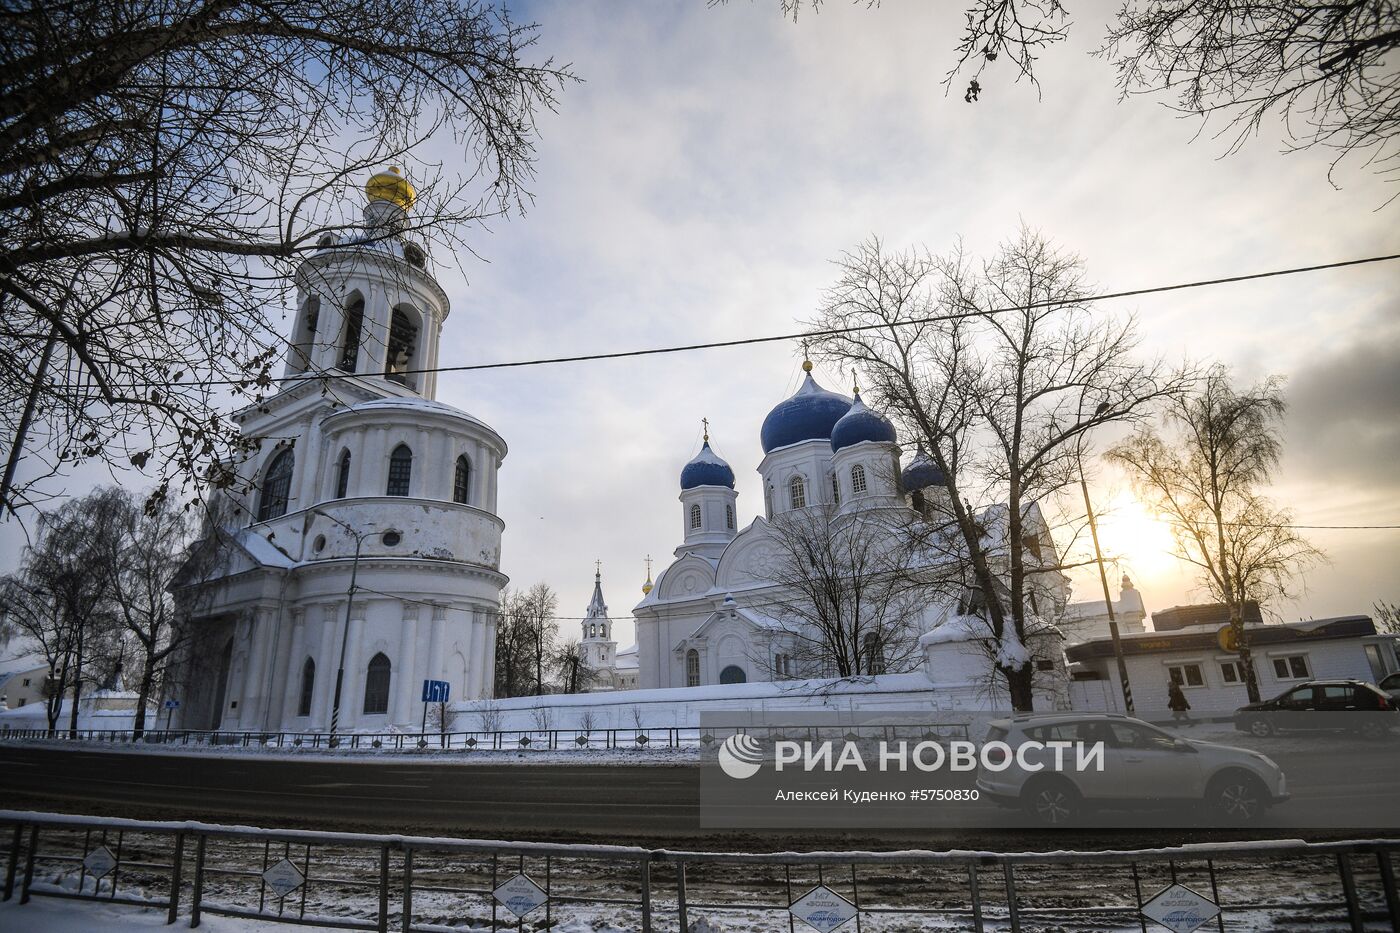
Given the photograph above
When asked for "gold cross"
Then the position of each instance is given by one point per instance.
(706, 423)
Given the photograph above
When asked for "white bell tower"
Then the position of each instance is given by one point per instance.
(598, 648)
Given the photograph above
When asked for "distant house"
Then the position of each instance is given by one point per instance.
(1344, 647)
(1085, 620)
(22, 685)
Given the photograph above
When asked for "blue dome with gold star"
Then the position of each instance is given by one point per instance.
(861, 424)
(706, 469)
(808, 415)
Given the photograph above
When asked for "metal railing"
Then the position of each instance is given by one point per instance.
(408, 883)
(499, 740)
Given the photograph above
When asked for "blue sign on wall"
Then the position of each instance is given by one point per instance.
(435, 691)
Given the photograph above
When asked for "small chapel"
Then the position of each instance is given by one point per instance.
(358, 553)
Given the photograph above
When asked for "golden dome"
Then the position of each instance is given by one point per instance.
(390, 186)
(646, 588)
(806, 366)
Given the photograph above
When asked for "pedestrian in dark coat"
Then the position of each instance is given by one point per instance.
(1177, 703)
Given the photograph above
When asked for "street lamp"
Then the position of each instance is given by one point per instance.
(359, 537)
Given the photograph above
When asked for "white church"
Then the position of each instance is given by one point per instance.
(363, 483)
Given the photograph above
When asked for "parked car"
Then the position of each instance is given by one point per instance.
(1349, 705)
(1143, 767)
(1391, 685)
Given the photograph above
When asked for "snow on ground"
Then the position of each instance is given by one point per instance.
(49, 915)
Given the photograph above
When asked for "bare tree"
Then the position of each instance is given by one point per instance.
(999, 370)
(844, 601)
(164, 165)
(1204, 474)
(575, 674)
(148, 553)
(1325, 71)
(1387, 617)
(62, 599)
(525, 639)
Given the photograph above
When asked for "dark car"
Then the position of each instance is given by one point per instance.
(1391, 685)
(1323, 704)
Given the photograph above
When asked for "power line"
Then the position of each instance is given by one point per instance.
(807, 335)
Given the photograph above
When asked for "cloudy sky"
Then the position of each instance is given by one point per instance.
(698, 182)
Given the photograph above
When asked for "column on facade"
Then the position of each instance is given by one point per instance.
(309, 460)
(352, 695)
(374, 472)
(374, 342)
(261, 656)
(440, 465)
(240, 689)
(432, 669)
(326, 659)
(407, 666)
(296, 659)
(474, 688)
(330, 318)
(488, 658)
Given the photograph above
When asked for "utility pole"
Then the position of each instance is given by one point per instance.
(1107, 598)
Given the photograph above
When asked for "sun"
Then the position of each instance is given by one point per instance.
(1133, 534)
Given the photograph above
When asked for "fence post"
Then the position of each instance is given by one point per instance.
(407, 889)
(197, 897)
(680, 897)
(1012, 909)
(384, 889)
(176, 866)
(13, 864)
(646, 895)
(1392, 900)
(29, 864)
(1349, 891)
(976, 897)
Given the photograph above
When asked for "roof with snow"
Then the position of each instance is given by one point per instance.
(861, 423)
(1204, 637)
(706, 469)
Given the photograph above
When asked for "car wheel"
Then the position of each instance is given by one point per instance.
(1261, 728)
(1373, 730)
(1237, 796)
(1052, 802)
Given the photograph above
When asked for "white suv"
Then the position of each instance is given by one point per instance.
(1142, 766)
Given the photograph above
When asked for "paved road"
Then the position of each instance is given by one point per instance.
(648, 803)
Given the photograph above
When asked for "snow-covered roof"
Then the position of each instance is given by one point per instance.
(260, 549)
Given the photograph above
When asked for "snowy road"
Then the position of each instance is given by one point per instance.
(649, 799)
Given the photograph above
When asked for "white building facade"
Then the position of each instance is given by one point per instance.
(362, 476)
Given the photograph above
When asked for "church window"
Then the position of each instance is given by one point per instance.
(276, 487)
(692, 668)
(342, 476)
(797, 492)
(461, 480)
(874, 653)
(733, 674)
(858, 479)
(694, 517)
(835, 489)
(400, 469)
(354, 323)
(377, 685)
(306, 334)
(729, 517)
(308, 682)
(403, 341)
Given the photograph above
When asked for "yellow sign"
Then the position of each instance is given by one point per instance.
(1227, 639)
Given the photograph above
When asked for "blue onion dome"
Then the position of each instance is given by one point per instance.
(859, 424)
(922, 472)
(706, 470)
(808, 415)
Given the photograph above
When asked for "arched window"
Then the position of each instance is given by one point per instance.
(306, 334)
(692, 668)
(461, 480)
(729, 517)
(377, 685)
(858, 479)
(342, 476)
(835, 489)
(403, 342)
(797, 492)
(276, 487)
(733, 674)
(400, 469)
(350, 342)
(308, 682)
(694, 517)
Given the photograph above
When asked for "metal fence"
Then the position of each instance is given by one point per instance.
(503, 740)
(412, 883)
